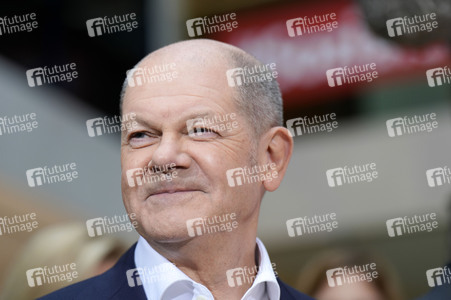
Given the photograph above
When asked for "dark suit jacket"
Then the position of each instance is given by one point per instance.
(113, 285)
(438, 292)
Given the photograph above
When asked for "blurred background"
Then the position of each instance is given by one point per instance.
(401, 189)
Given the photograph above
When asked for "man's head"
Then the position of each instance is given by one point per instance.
(166, 108)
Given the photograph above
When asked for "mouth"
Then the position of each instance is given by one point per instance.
(172, 191)
(172, 196)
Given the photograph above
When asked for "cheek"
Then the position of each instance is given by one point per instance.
(131, 160)
(226, 154)
(214, 161)
(136, 158)
(213, 167)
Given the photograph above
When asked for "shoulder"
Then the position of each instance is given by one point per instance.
(440, 292)
(112, 284)
(87, 289)
(288, 293)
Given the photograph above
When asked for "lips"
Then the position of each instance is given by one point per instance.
(171, 191)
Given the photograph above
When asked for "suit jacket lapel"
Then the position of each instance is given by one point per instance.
(125, 291)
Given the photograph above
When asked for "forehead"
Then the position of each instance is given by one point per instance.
(177, 81)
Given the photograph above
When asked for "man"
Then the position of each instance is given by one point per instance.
(205, 150)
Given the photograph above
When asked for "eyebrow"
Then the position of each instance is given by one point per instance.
(193, 115)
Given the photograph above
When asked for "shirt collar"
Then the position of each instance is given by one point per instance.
(158, 272)
(265, 275)
(158, 275)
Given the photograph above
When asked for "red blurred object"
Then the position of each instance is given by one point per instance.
(302, 61)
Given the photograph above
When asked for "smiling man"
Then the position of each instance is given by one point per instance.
(207, 144)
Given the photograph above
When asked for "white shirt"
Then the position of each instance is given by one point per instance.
(162, 280)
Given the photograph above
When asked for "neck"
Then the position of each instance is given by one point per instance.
(206, 259)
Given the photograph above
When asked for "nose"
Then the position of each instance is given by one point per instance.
(169, 152)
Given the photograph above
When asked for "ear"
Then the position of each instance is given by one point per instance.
(278, 147)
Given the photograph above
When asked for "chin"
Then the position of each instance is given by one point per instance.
(162, 225)
(165, 235)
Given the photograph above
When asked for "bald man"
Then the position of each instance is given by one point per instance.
(206, 145)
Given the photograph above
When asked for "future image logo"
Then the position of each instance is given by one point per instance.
(208, 25)
(139, 276)
(250, 75)
(49, 75)
(308, 25)
(309, 225)
(244, 275)
(51, 274)
(411, 124)
(349, 75)
(410, 25)
(18, 23)
(149, 75)
(107, 225)
(410, 225)
(151, 174)
(215, 124)
(438, 276)
(18, 223)
(438, 176)
(438, 76)
(109, 25)
(310, 125)
(49, 175)
(353, 174)
(351, 274)
(18, 123)
(214, 224)
(107, 125)
(248, 175)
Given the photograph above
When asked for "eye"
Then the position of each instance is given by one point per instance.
(137, 135)
(203, 132)
(141, 139)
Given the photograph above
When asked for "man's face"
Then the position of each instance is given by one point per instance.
(200, 187)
